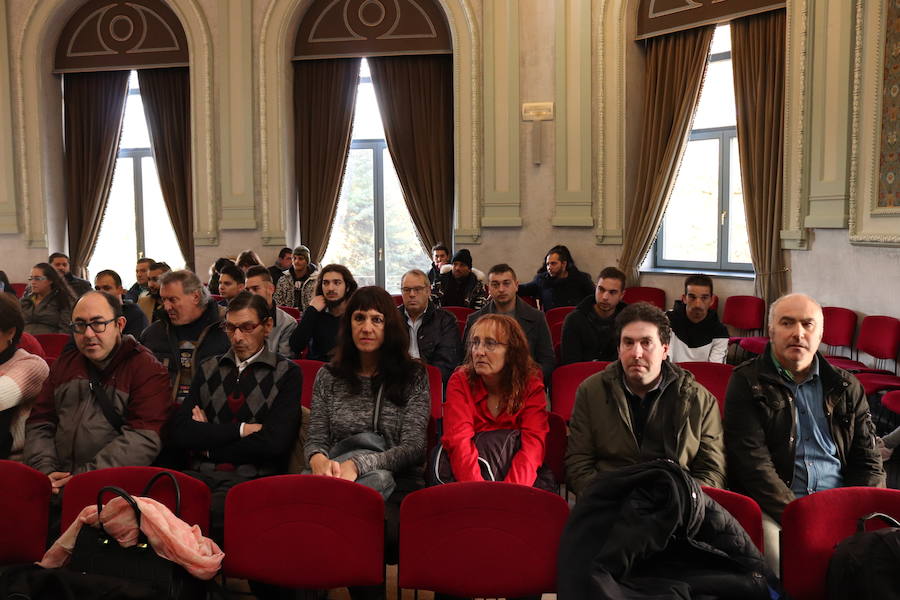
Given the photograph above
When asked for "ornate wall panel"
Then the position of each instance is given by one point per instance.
(8, 212)
(658, 17)
(794, 235)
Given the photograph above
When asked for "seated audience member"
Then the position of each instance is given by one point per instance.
(440, 256)
(558, 282)
(231, 283)
(6, 286)
(433, 333)
(498, 387)
(297, 287)
(282, 264)
(242, 414)
(247, 259)
(60, 262)
(459, 284)
(259, 282)
(502, 286)
(104, 403)
(588, 332)
(794, 424)
(141, 274)
(187, 332)
(21, 376)
(135, 320)
(47, 306)
(214, 270)
(698, 333)
(643, 407)
(318, 327)
(151, 304)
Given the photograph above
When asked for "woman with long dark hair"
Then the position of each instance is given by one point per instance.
(48, 306)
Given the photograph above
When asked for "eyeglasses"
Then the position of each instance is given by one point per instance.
(81, 326)
(410, 290)
(37, 278)
(230, 328)
(488, 344)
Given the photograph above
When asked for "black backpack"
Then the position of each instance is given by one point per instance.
(867, 564)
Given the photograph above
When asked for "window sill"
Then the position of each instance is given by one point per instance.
(746, 275)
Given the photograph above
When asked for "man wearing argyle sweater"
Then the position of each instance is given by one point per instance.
(242, 414)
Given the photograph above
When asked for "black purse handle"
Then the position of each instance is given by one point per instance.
(861, 522)
(122, 494)
(171, 476)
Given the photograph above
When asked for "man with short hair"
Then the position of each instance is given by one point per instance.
(503, 285)
(242, 414)
(794, 424)
(141, 274)
(282, 264)
(433, 333)
(231, 282)
(60, 262)
(459, 284)
(318, 327)
(440, 255)
(105, 402)
(588, 332)
(643, 407)
(187, 332)
(298, 289)
(135, 320)
(699, 335)
(558, 282)
(151, 304)
(259, 282)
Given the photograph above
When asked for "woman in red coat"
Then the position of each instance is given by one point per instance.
(498, 386)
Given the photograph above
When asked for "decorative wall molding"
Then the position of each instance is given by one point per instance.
(573, 115)
(794, 235)
(502, 200)
(659, 17)
(8, 211)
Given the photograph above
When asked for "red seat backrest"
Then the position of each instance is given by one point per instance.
(309, 368)
(879, 336)
(839, 326)
(294, 312)
(651, 295)
(557, 315)
(555, 447)
(565, 382)
(398, 299)
(744, 509)
(712, 376)
(19, 288)
(745, 313)
(29, 343)
(436, 386)
(24, 506)
(53, 343)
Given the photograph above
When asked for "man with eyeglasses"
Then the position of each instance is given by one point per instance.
(105, 402)
(433, 333)
(242, 414)
(502, 287)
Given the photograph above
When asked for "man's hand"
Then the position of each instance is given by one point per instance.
(198, 415)
(885, 452)
(322, 465)
(349, 470)
(318, 303)
(250, 428)
(57, 480)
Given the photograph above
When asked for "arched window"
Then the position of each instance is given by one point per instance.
(126, 97)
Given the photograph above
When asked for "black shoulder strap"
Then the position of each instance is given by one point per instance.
(102, 399)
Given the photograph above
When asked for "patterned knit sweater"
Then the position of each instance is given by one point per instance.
(337, 413)
(21, 378)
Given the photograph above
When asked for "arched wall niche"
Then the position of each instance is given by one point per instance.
(38, 115)
(279, 206)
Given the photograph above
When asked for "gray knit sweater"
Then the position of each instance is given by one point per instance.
(337, 413)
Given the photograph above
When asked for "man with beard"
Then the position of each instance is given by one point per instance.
(459, 284)
(643, 407)
(558, 282)
(60, 262)
(318, 328)
(588, 332)
(699, 335)
(296, 287)
(151, 303)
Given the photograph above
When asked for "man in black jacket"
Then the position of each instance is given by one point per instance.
(589, 331)
(433, 333)
(558, 282)
(242, 414)
(60, 262)
(318, 327)
(135, 320)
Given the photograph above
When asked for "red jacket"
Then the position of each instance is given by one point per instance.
(466, 413)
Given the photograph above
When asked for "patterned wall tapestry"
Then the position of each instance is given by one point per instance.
(889, 173)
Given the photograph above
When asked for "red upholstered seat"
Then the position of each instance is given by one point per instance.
(305, 531)
(745, 313)
(565, 382)
(24, 504)
(461, 313)
(875, 382)
(754, 345)
(839, 326)
(29, 343)
(52, 343)
(555, 447)
(480, 539)
(19, 288)
(879, 337)
(529, 300)
(436, 387)
(891, 401)
(712, 376)
(556, 333)
(309, 368)
(557, 315)
(82, 491)
(651, 295)
(814, 524)
(744, 509)
(845, 363)
(294, 312)
(398, 299)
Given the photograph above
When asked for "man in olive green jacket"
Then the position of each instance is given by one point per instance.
(643, 407)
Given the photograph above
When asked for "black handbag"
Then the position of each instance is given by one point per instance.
(496, 450)
(98, 553)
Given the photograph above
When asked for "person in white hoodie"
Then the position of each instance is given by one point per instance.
(699, 336)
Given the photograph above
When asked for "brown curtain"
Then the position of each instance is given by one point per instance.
(166, 94)
(415, 97)
(94, 105)
(758, 56)
(324, 102)
(675, 67)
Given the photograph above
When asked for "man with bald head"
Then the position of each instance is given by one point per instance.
(794, 424)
